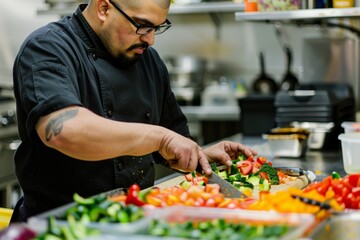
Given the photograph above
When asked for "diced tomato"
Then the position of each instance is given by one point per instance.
(244, 166)
(184, 196)
(251, 159)
(351, 201)
(256, 167)
(356, 191)
(194, 191)
(354, 180)
(210, 202)
(212, 188)
(281, 176)
(190, 176)
(219, 198)
(261, 160)
(206, 195)
(199, 202)
(336, 186)
(264, 175)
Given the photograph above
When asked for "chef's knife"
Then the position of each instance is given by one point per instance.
(226, 188)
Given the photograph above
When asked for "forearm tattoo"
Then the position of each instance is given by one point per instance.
(55, 125)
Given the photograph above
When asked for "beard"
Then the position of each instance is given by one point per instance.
(125, 61)
(122, 59)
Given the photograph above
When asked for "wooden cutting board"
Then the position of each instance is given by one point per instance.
(299, 183)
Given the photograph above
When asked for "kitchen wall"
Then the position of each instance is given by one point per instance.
(232, 49)
(239, 43)
(17, 19)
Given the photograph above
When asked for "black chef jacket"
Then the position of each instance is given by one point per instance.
(64, 64)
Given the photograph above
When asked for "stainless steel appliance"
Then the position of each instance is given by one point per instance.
(332, 60)
(187, 76)
(319, 108)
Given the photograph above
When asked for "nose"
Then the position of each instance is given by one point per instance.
(148, 38)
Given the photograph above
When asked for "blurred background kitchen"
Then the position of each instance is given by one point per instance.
(226, 67)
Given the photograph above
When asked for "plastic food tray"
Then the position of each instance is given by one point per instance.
(39, 223)
(300, 223)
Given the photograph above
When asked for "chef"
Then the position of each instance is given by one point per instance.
(95, 109)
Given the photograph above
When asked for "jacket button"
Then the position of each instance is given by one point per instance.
(110, 113)
(148, 116)
(94, 56)
(120, 166)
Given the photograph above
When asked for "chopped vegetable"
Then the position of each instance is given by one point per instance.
(216, 229)
(271, 173)
(133, 196)
(335, 175)
(75, 230)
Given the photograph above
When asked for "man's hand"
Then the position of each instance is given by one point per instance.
(182, 153)
(185, 155)
(224, 152)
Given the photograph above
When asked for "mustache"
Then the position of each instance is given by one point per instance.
(140, 45)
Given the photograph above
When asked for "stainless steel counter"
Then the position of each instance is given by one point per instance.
(323, 163)
(197, 115)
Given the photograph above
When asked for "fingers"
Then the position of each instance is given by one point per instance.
(236, 148)
(185, 162)
(204, 163)
(247, 151)
(224, 152)
(185, 155)
(179, 165)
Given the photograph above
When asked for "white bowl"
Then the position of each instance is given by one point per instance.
(350, 145)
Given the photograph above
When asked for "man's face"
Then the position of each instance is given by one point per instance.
(119, 34)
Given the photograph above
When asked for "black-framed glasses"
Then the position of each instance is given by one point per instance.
(144, 29)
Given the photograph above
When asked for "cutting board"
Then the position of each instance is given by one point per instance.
(299, 183)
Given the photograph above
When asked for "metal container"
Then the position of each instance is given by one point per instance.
(339, 226)
(187, 75)
(321, 134)
(287, 142)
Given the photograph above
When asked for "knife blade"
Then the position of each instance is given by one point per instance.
(226, 188)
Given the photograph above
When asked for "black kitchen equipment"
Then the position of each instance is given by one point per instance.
(289, 81)
(257, 113)
(264, 84)
(318, 107)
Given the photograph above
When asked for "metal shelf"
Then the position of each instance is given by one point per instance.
(193, 8)
(304, 14)
(207, 7)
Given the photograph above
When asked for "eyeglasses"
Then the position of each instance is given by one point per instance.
(144, 29)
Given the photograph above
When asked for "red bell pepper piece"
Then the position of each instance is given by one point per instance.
(133, 196)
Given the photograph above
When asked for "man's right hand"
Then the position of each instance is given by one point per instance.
(182, 153)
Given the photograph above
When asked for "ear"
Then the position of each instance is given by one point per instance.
(102, 7)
